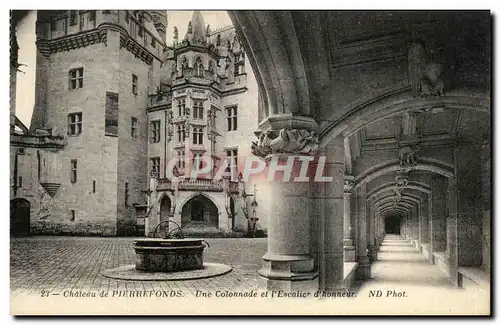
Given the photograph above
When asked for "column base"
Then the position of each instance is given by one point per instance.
(348, 242)
(349, 253)
(264, 283)
(372, 253)
(418, 246)
(364, 269)
(288, 273)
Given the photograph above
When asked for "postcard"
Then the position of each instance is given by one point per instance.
(249, 162)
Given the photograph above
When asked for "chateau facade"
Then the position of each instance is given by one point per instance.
(114, 105)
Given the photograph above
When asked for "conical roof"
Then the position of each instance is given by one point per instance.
(198, 28)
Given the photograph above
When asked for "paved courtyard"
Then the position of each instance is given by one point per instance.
(52, 265)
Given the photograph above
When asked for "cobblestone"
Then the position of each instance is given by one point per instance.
(57, 264)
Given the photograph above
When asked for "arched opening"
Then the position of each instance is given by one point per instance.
(200, 212)
(165, 208)
(232, 212)
(19, 217)
(393, 225)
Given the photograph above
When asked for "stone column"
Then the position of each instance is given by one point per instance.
(349, 249)
(486, 211)
(364, 268)
(429, 211)
(381, 228)
(439, 212)
(288, 264)
(416, 219)
(401, 226)
(331, 252)
(409, 224)
(407, 234)
(372, 251)
(464, 238)
(424, 224)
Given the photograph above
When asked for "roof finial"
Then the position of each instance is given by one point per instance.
(176, 35)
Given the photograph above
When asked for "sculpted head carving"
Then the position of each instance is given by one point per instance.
(427, 76)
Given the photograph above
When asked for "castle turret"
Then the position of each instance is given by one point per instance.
(160, 21)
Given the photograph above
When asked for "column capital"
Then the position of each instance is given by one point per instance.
(288, 121)
(348, 184)
(285, 141)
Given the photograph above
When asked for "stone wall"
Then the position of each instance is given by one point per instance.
(132, 152)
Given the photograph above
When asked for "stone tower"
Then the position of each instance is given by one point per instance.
(95, 70)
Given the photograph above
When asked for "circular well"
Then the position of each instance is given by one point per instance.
(128, 272)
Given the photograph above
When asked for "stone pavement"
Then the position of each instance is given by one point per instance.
(52, 265)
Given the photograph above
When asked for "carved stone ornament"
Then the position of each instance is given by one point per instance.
(293, 141)
(408, 156)
(401, 179)
(153, 174)
(348, 185)
(427, 76)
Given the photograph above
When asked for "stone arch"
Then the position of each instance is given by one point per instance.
(211, 211)
(206, 194)
(372, 109)
(404, 200)
(391, 186)
(405, 196)
(198, 66)
(424, 164)
(392, 223)
(388, 201)
(400, 210)
(183, 64)
(276, 60)
(20, 210)
(165, 208)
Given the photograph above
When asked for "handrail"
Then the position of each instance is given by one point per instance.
(168, 235)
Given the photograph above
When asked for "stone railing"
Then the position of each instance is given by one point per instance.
(208, 185)
(160, 98)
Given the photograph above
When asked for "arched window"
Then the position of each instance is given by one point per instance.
(184, 65)
(198, 136)
(181, 105)
(198, 109)
(181, 133)
(198, 68)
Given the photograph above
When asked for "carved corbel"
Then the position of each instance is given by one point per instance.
(293, 141)
(427, 75)
(348, 186)
(401, 179)
(408, 156)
